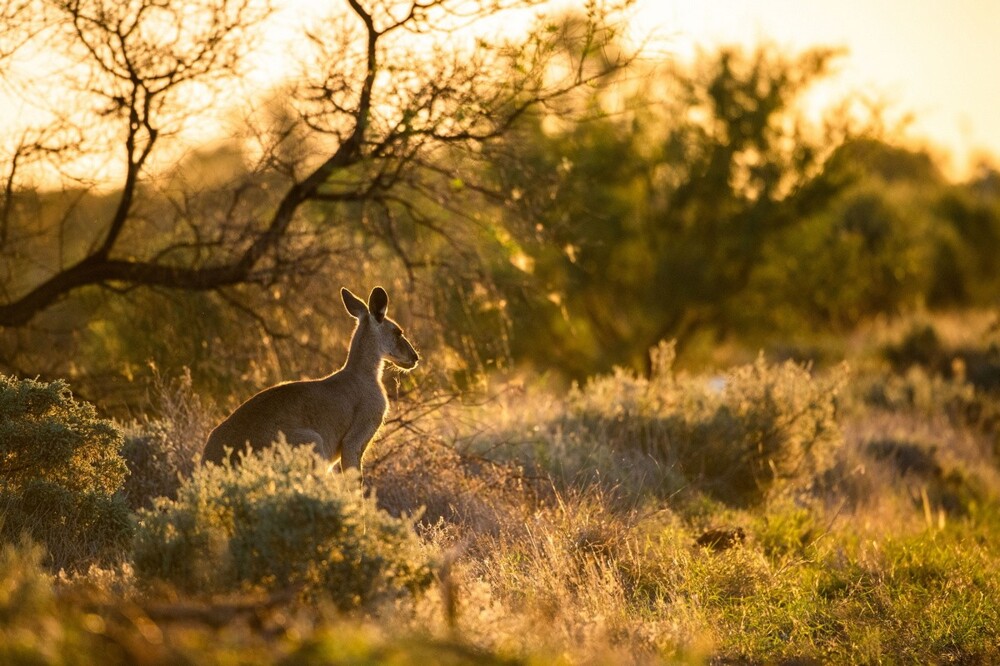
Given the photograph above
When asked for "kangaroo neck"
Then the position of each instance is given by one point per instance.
(364, 359)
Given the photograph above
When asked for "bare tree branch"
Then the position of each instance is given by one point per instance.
(384, 100)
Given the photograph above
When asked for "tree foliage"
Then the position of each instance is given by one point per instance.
(382, 94)
(357, 164)
(651, 226)
(712, 208)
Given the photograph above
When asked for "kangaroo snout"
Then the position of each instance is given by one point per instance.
(403, 356)
(407, 363)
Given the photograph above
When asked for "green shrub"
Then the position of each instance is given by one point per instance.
(76, 529)
(277, 521)
(47, 434)
(61, 468)
(737, 436)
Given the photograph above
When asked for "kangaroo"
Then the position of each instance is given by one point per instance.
(339, 414)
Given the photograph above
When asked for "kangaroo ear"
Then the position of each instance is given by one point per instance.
(354, 305)
(378, 303)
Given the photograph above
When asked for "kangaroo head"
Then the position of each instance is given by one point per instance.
(392, 343)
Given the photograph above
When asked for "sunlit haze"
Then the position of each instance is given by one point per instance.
(929, 59)
(936, 60)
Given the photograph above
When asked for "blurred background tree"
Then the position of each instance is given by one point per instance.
(650, 223)
(711, 208)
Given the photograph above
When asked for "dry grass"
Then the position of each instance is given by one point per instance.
(425, 475)
(563, 534)
(163, 445)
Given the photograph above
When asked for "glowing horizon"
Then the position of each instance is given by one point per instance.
(900, 52)
(905, 53)
(934, 60)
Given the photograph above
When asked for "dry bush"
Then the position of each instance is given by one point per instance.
(421, 474)
(741, 436)
(579, 584)
(162, 446)
(756, 431)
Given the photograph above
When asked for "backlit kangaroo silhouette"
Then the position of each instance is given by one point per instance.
(340, 413)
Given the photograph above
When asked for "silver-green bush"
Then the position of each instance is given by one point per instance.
(280, 520)
(61, 468)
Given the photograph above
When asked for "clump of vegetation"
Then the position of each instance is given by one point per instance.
(161, 450)
(47, 434)
(420, 474)
(964, 350)
(920, 345)
(61, 471)
(738, 436)
(279, 521)
(917, 389)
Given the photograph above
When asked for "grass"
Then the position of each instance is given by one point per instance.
(564, 527)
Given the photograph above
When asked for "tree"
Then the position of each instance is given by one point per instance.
(394, 96)
(694, 184)
(870, 250)
(967, 264)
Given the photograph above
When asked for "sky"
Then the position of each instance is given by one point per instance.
(936, 59)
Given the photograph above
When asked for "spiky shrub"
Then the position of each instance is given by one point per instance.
(738, 436)
(160, 450)
(280, 520)
(61, 470)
